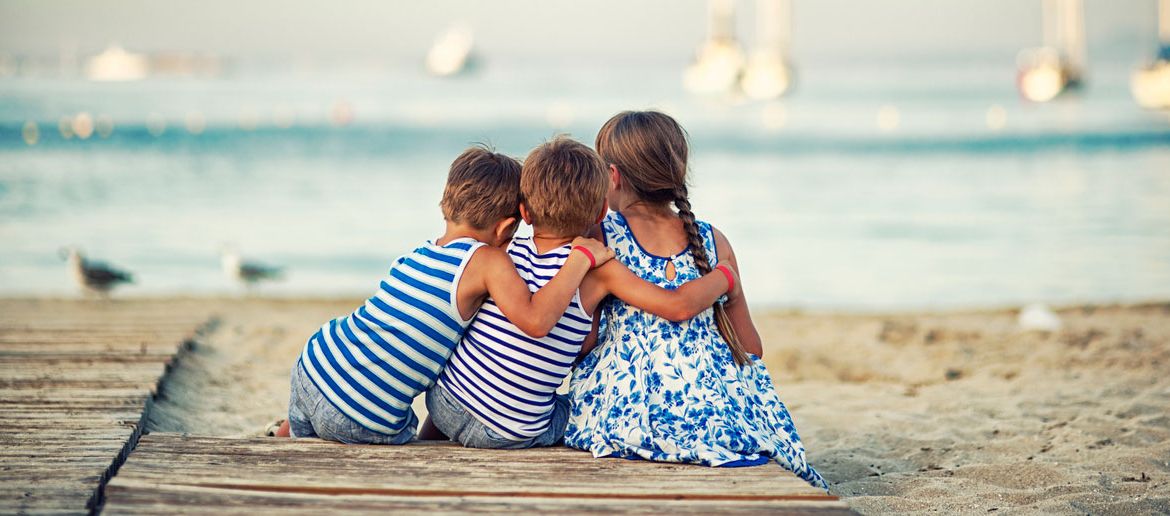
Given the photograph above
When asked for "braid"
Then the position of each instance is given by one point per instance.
(703, 263)
(698, 250)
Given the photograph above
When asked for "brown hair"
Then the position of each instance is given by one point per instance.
(563, 184)
(649, 150)
(483, 187)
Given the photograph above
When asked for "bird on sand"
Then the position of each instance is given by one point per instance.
(248, 273)
(93, 276)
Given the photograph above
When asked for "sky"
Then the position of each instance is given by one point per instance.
(525, 30)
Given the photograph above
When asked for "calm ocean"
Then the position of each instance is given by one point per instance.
(973, 198)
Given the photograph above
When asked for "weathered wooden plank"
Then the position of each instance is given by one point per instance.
(247, 474)
(36, 437)
(134, 373)
(194, 452)
(146, 498)
(23, 387)
(77, 360)
(44, 500)
(33, 410)
(73, 397)
(94, 331)
(75, 379)
(126, 372)
(104, 352)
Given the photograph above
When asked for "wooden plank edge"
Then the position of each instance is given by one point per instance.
(419, 493)
(97, 500)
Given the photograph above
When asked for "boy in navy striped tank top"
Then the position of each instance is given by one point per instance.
(499, 387)
(356, 378)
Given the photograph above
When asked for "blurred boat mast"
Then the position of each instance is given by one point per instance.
(1059, 65)
(769, 74)
(720, 59)
(1151, 84)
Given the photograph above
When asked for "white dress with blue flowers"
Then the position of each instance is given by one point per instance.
(670, 392)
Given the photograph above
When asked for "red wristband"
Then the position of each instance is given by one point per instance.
(588, 254)
(727, 274)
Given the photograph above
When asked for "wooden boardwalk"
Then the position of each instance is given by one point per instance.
(76, 381)
(174, 473)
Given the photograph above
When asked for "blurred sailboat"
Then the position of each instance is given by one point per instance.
(452, 53)
(92, 276)
(1038, 317)
(1151, 84)
(768, 74)
(247, 273)
(720, 60)
(1059, 65)
(116, 64)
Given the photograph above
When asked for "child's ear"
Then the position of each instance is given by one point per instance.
(525, 214)
(604, 210)
(506, 229)
(615, 177)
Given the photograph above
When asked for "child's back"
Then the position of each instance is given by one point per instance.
(694, 391)
(356, 378)
(499, 388)
(372, 363)
(506, 377)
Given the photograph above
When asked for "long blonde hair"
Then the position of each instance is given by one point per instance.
(649, 149)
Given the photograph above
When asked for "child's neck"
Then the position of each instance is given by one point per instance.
(639, 208)
(546, 240)
(456, 231)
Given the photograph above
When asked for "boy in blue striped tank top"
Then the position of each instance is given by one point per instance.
(499, 387)
(356, 378)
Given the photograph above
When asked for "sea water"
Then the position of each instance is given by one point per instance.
(870, 186)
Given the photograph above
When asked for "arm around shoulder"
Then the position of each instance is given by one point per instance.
(534, 314)
(678, 305)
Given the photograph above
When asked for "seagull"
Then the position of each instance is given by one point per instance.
(91, 276)
(246, 272)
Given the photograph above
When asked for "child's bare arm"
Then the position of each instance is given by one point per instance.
(591, 339)
(736, 306)
(677, 305)
(535, 314)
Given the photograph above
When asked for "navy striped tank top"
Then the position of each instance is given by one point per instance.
(507, 379)
(372, 363)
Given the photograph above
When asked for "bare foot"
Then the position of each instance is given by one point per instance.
(282, 431)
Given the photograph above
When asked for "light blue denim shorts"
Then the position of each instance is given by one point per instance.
(449, 416)
(311, 415)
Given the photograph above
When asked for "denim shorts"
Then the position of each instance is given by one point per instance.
(449, 416)
(311, 415)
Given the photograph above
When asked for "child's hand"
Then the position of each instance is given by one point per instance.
(601, 253)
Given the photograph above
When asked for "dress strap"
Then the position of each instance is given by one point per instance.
(610, 230)
(619, 236)
(708, 234)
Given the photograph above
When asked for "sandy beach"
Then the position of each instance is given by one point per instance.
(916, 412)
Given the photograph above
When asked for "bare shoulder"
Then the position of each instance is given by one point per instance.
(486, 258)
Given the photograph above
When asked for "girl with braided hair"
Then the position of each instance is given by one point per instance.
(694, 391)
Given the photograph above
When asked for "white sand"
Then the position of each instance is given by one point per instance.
(956, 412)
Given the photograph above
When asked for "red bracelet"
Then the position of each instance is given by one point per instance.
(727, 274)
(588, 254)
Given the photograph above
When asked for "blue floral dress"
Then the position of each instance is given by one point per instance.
(670, 392)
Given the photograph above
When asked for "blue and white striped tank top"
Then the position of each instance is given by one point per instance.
(507, 379)
(372, 363)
